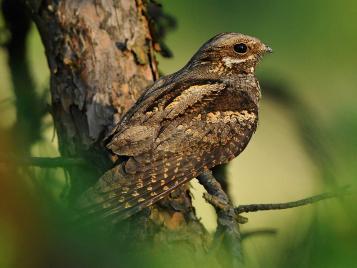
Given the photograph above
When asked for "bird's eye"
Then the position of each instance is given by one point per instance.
(240, 48)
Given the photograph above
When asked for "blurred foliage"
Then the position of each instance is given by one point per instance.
(310, 81)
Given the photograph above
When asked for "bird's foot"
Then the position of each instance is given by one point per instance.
(218, 203)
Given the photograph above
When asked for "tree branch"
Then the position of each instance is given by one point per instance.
(227, 222)
(302, 202)
(45, 162)
(267, 231)
(29, 104)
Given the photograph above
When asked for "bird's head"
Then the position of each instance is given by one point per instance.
(233, 52)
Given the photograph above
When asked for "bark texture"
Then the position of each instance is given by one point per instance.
(101, 57)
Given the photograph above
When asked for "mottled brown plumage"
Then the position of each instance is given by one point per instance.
(187, 122)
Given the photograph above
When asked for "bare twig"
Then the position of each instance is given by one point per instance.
(293, 204)
(267, 231)
(45, 162)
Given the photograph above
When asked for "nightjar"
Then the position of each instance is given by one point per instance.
(185, 123)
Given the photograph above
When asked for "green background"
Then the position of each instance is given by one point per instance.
(302, 146)
(315, 55)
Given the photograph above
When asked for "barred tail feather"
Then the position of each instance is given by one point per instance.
(119, 195)
(131, 194)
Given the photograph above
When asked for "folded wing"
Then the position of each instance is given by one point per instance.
(169, 143)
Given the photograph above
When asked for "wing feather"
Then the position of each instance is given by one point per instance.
(195, 133)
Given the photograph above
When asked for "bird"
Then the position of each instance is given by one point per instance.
(186, 123)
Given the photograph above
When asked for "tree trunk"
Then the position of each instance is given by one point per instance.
(101, 57)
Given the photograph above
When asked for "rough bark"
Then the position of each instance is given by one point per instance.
(101, 57)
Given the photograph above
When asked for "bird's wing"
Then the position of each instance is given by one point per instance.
(140, 126)
(198, 130)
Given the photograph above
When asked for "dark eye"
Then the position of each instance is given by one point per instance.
(240, 48)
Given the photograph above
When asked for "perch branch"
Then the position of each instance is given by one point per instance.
(46, 162)
(293, 204)
(227, 221)
(259, 232)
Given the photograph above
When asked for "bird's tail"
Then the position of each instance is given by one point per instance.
(118, 195)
